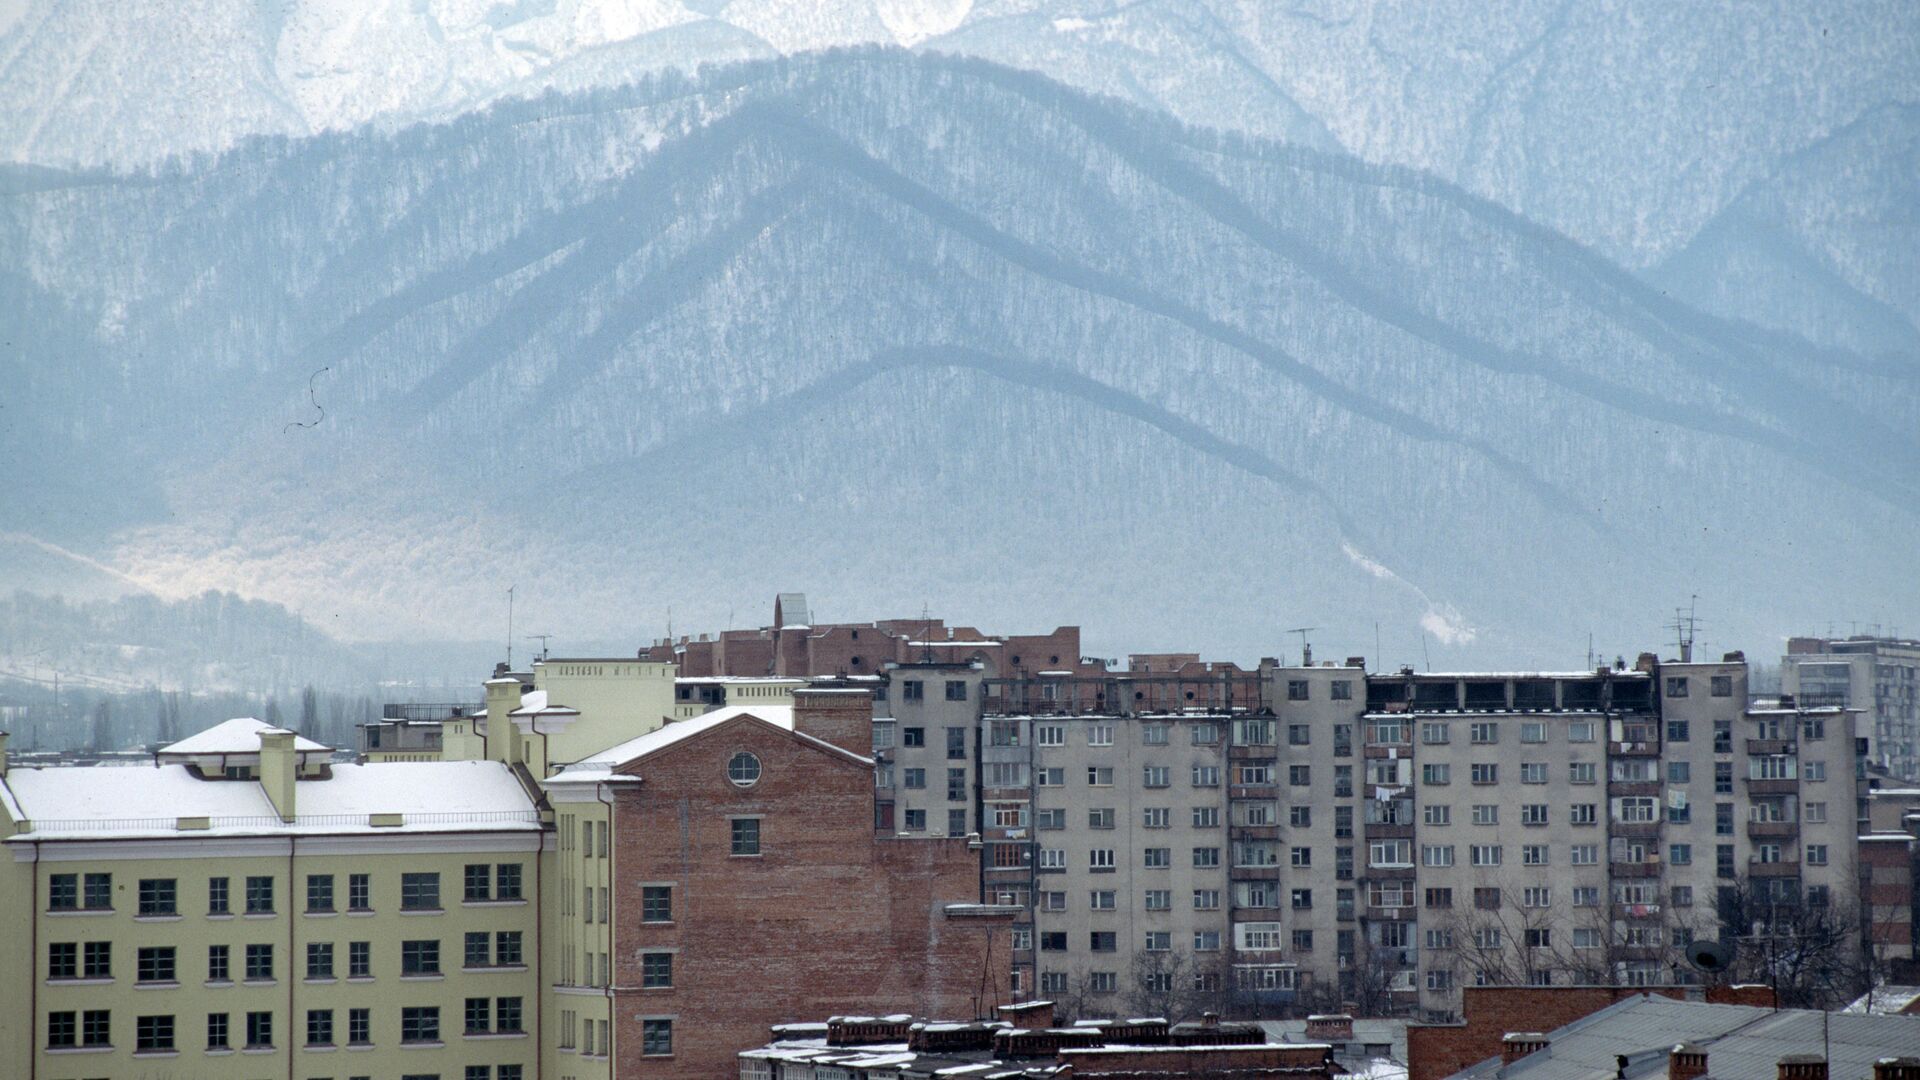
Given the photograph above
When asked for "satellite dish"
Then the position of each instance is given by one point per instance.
(1712, 957)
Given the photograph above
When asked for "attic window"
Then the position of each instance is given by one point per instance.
(743, 769)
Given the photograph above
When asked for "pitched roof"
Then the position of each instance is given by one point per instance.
(241, 735)
(598, 767)
(1740, 1041)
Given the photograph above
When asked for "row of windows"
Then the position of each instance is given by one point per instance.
(93, 1028)
(160, 896)
(159, 964)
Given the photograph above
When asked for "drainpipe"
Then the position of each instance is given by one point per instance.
(33, 969)
(613, 889)
(539, 953)
(292, 981)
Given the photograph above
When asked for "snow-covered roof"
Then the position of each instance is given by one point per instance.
(598, 767)
(535, 703)
(431, 796)
(241, 735)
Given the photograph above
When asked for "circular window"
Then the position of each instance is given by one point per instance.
(743, 769)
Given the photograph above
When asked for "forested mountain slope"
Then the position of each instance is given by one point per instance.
(895, 328)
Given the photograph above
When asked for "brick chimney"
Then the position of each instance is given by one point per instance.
(1686, 1062)
(1900, 1068)
(842, 716)
(1028, 1014)
(1803, 1067)
(1519, 1044)
(1329, 1027)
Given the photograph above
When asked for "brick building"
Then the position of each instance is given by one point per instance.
(741, 885)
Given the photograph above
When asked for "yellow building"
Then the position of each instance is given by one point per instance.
(245, 907)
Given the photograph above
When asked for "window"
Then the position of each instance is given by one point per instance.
(1390, 853)
(1533, 731)
(97, 960)
(1053, 941)
(956, 785)
(1484, 854)
(1436, 854)
(478, 950)
(915, 778)
(1053, 858)
(1101, 818)
(420, 957)
(1159, 941)
(152, 1034)
(956, 690)
(1297, 689)
(1206, 941)
(1153, 734)
(506, 882)
(746, 835)
(1814, 772)
(1300, 775)
(1342, 690)
(1813, 728)
(1816, 854)
(1580, 731)
(956, 744)
(1581, 772)
(1437, 815)
(1536, 896)
(1300, 857)
(155, 964)
(1484, 732)
(259, 966)
(1050, 735)
(1486, 773)
(1533, 772)
(1156, 817)
(479, 1016)
(1100, 775)
(259, 1030)
(260, 896)
(420, 1023)
(319, 959)
(913, 736)
(319, 1027)
(1586, 896)
(1101, 860)
(1680, 854)
(1486, 814)
(1159, 900)
(420, 892)
(1299, 735)
(1099, 734)
(157, 896)
(1207, 734)
(1206, 899)
(1101, 900)
(1678, 731)
(359, 892)
(217, 964)
(956, 822)
(1682, 896)
(506, 949)
(217, 896)
(1583, 813)
(656, 1038)
(63, 960)
(1302, 899)
(1435, 733)
(1157, 858)
(1206, 817)
(1676, 686)
(1343, 781)
(1206, 858)
(1816, 813)
(1533, 814)
(319, 892)
(916, 821)
(1439, 898)
(97, 894)
(1720, 685)
(1486, 899)
(359, 959)
(656, 970)
(1206, 776)
(1157, 776)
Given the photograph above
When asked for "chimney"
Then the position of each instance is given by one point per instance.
(1519, 1044)
(1329, 1027)
(1803, 1067)
(278, 768)
(1032, 1015)
(503, 696)
(842, 716)
(3, 755)
(1900, 1068)
(1646, 662)
(1686, 1062)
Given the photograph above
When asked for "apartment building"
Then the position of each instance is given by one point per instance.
(721, 874)
(244, 906)
(1319, 834)
(1880, 676)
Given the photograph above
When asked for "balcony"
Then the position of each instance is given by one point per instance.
(1644, 869)
(1254, 873)
(1646, 829)
(1772, 830)
(1785, 868)
(1385, 831)
(1251, 791)
(1387, 750)
(1633, 787)
(1259, 752)
(1633, 748)
(1254, 832)
(1787, 786)
(1771, 746)
(1623, 910)
(1392, 873)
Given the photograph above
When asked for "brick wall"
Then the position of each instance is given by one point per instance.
(1435, 1051)
(1221, 1062)
(841, 717)
(826, 920)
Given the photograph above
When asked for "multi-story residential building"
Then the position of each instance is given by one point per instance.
(245, 906)
(1386, 839)
(927, 749)
(1880, 676)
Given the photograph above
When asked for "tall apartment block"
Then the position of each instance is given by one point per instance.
(1880, 676)
(1299, 835)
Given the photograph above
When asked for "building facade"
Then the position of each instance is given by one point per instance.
(1880, 676)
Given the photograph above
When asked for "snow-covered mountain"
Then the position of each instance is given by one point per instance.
(885, 326)
(1627, 125)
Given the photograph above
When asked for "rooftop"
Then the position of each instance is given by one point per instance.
(598, 767)
(241, 735)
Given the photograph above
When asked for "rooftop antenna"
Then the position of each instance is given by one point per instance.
(543, 643)
(1685, 625)
(510, 589)
(926, 634)
(1306, 650)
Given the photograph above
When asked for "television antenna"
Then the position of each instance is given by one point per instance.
(542, 639)
(1306, 650)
